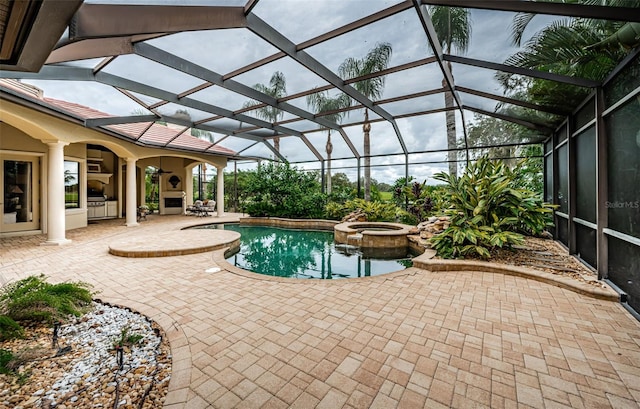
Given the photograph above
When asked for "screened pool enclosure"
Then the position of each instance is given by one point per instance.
(378, 89)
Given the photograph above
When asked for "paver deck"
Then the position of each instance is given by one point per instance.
(411, 339)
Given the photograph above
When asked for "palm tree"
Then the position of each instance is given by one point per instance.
(521, 22)
(277, 88)
(377, 59)
(582, 48)
(453, 27)
(320, 102)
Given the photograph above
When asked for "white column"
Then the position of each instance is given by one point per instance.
(131, 205)
(220, 198)
(56, 224)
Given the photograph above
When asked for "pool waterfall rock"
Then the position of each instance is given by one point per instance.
(420, 236)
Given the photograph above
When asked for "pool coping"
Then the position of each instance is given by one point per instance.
(427, 262)
(423, 262)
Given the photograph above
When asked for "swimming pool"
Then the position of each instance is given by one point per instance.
(306, 254)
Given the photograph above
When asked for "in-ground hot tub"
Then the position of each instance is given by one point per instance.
(373, 235)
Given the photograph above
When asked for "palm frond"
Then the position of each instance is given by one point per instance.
(452, 26)
(350, 68)
(376, 60)
(277, 89)
(320, 102)
(519, 24)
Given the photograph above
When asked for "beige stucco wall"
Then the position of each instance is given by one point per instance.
(23, 129)
(13, 139)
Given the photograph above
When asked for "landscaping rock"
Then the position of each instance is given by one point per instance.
(433, 225)
(88, 374)
(355, 216)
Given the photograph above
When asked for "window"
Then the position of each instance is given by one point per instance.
(71, 184)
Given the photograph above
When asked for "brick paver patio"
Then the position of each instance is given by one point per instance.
(411, 339)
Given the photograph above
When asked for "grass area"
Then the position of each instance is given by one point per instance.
(386, 196)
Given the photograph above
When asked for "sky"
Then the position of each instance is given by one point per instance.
(225, 50)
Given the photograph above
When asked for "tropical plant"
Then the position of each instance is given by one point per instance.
(376, 60)
(277, 88)
(34, 299)
(420, 203)
(487, 212)
(399, 184)
(453, 28)
(277, 189)
(331, 109)
(375, 211)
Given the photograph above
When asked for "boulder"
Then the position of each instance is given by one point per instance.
(355, 216)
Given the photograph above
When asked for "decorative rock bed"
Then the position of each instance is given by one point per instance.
(82, 371)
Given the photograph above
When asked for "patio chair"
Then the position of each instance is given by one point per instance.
(193, 209)
(142, 213)
(206, 208)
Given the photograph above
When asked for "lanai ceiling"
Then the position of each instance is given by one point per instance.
(194, 65)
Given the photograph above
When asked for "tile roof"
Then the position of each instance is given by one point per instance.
(156, 135)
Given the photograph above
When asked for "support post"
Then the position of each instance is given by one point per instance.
(220, 191)
(56, 224)
(131, 205)
(358, 177)
(572, 186)
(322, 178)
(602, 213)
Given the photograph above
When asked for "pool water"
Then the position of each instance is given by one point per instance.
(306, 254)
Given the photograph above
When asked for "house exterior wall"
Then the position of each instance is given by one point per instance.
(26, 131)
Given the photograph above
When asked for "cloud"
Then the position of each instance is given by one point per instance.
(223, 51)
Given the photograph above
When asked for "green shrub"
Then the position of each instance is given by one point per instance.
(374, 211)
(9, 329)
(405, 217)
(6, 357)
(486, 211)
(279, 190)
(335, 211)
(33, 299)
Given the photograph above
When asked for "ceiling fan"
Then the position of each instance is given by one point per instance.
(161, 171)
(155, 176)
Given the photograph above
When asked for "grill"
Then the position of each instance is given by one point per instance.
(94, 201)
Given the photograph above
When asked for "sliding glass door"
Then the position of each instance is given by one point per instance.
(20, 193)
